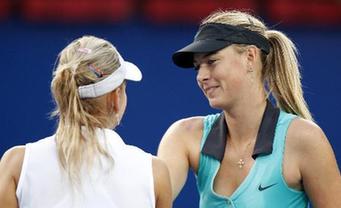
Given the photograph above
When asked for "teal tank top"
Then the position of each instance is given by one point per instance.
(264, 186)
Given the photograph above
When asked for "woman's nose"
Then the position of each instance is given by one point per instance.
(203, 74)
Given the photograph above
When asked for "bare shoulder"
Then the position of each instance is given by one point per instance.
(316, 163)
(188, 124)
(11, 161)
(180, 150)
(13, 155)
(187, 127)
(183, 137)
(306, 136)
(306, 143)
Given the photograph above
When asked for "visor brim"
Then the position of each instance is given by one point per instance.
(132, 72)
(184, 57)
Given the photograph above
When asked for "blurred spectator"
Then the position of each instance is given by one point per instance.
(82, 11)
(191, 11)
(4, 9)
(308, 12)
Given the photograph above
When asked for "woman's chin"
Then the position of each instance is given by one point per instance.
(214, 103)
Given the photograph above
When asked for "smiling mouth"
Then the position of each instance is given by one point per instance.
(209, 90)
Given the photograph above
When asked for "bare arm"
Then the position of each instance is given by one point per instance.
(10, 168)
(163, 192)
(180, 149)
(318, 167)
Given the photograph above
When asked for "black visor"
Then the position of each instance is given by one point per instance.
(215, 36)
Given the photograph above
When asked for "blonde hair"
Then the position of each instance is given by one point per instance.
(280, 73)
(78, 119)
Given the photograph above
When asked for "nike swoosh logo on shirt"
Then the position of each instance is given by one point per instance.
(260, 188)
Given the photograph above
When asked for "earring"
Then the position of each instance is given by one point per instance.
(118, 120)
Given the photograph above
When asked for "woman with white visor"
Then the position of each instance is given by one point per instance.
(85, 163)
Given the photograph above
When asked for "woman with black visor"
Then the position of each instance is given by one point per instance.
(254, 153)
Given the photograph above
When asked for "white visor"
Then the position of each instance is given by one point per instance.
(126, 71)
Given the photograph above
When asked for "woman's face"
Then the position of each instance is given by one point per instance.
(222, 76)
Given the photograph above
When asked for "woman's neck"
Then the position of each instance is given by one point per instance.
(244, 118)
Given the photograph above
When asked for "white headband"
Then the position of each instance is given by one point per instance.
(126, 71)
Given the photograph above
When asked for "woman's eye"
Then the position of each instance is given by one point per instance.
(211, 61)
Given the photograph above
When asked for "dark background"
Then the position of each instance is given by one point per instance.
(146, 34)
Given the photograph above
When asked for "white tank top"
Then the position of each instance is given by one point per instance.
(127, 184)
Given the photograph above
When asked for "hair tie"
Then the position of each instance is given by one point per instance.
(95, 70)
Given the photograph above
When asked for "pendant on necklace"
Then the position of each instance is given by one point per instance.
(241, 163)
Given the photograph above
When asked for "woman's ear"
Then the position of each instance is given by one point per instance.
(114, 100)
(252, 53)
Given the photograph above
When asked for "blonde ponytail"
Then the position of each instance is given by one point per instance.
(282, 74)
(69, 148)
(78, 119)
